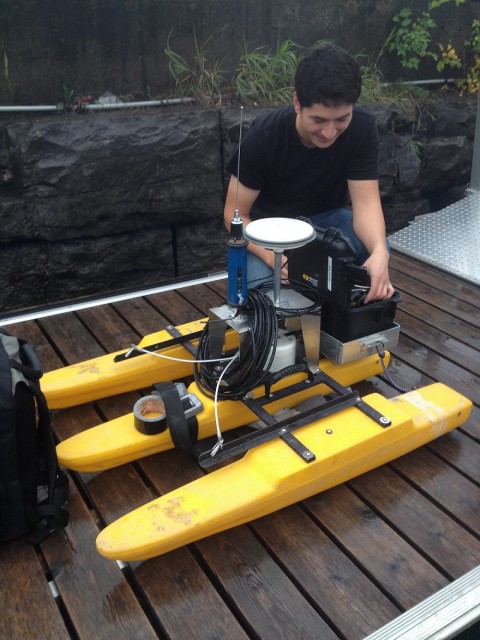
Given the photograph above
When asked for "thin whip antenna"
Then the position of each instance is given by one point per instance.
(236, 214)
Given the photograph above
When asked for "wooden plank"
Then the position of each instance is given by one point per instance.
(204, 298)
(29, 610)
(185, 600)
(441, 539)
(70, 336)
(95, 593)
(347, 598)
(424, 273)
(450, 490)
(266, 600)
(177, 308)
(141, 316)
(220, 287)
(437, 340)
(111, 330)
(439, 368)
(460, 451)
(457, 326)
(434, 305)
(397, 568)
(269, 602)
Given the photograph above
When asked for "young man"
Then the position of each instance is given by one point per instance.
(307, 158)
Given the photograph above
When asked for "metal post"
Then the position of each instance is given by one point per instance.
(475, 175)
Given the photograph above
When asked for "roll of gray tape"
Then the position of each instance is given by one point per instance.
(149, 414)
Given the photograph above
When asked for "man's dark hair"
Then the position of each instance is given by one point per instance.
(328, 75)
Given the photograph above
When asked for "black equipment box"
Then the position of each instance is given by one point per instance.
(364, 320)
(327, 265)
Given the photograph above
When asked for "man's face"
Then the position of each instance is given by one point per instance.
(319, 126)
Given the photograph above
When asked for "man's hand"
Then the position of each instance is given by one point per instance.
(380, 286)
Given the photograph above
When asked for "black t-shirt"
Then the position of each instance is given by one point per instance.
(297, 180)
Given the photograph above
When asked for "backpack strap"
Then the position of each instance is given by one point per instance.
(13, 520)
(50, 511)
(30, 365)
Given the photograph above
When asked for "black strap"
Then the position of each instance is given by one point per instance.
(50, 514)
(183, 431)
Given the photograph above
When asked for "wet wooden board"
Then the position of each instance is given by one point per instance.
(339, 565)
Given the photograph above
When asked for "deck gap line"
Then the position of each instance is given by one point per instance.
(435, 325)
(434, 274)
(56, 595)
(52, 343)
(90, 331)
(411, 543)
(418, 295)
(295, 581)
(80, 485)
(475, 439)
(446, 376)
(101, 413)
(143, 601)
(424, 321)
(144, 477)
(222, 591)
(450, 464)
(128, 323)
(148, 302)
(431, 498)
(417, 281)
(354, 560)
(125, 320)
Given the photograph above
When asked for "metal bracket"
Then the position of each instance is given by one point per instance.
(274, 428)
(299, 448)
(178, 338)
(278, 429)
(375, 415)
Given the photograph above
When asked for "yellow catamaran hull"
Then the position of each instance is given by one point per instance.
(102, 377)
(272, 476)
(117, 442)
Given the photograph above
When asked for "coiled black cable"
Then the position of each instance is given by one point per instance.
(258, 350)
(303, 288)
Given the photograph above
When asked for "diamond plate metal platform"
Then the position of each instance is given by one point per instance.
(448, 239)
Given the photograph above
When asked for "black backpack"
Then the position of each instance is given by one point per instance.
(33, 490)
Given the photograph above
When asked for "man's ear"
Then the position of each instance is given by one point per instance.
(296, 103)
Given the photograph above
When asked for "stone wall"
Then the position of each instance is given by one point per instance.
(96, 203)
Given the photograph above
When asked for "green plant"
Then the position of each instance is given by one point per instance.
(68, 95)
(201, 79)
(413, 146)
(265, 77)
(471, 82)
(410, 99)
(411, 37)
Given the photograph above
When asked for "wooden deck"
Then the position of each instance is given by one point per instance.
(338, 565)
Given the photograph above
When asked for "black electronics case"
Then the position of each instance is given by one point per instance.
(327, 265)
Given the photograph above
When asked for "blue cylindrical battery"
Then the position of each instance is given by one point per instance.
(237, 270)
